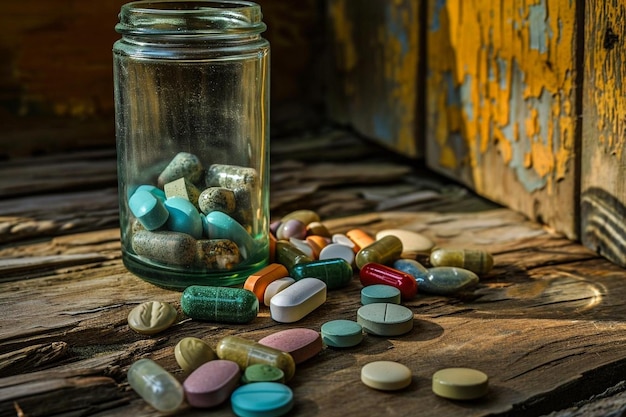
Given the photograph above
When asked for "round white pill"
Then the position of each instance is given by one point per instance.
(386, 375)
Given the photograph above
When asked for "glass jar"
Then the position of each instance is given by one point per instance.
(191, 85)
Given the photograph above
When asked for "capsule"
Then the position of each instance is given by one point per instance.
(385, 250)
(411, 267)
(172, 248)
(258, 282)
(447, 280)
(231, 176)
(360, 238)
(305, 216)
(373, 273)
(155, 385)
(335, 272)
(219, 304)
(477, 261)
(290, 256)
(247, 352)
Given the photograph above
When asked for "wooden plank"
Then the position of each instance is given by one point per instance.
(373, 77)
(502, 85)
(603, 189)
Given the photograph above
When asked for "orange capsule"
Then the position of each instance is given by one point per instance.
(360, 238)
(317, 243)
(258, 282)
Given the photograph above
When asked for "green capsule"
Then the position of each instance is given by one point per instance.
(247, 352)
(381, 251)
(335, 272)
(219, 304)
(477, 261)
(290, 256)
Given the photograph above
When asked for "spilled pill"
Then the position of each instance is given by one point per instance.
(411, 241)
(460, 383)
(262, 373)
(298, 300)
(477, 261)
(155, 385)
(219, 304)
(247, 352)
(386, 375)
(152, 317)
(275, 287)
(335, 272)
(385, 250)
(341, 333)
(374, 273)
(192, 352)
(262, 399)
(385, 319)
(300, 343)
(212, 383)
(380, 293)
(258, 282)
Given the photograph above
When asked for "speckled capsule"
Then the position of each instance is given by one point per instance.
(477, 261)
(219, 304)
(173, 248)
(155, 385)
(447, 280)
(217, 254)
(217, 198)
(231, 176)
(382, 251)
(335, 273)
(290, 256)
(247, 352)
(182, 165)
(304, 215)
(411, 267)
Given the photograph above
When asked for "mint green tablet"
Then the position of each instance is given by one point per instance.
(380, 293)
(385, 319)
(341, 333)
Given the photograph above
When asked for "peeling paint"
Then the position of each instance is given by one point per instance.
(506, 71)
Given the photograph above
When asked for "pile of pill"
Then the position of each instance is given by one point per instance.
(307, 262)
(197, 218)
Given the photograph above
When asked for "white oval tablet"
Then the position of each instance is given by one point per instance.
(299, 299)
(275, 287)
(337, 250)
(303, 245)
(343, 240)
(411, 241)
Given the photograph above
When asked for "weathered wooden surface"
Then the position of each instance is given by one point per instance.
(603, 191)
(374, 59)
(502, 102)
(547, 324)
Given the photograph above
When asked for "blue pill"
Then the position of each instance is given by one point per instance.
(155, 191)
(184, 217)
(262, 399)
(413, 268)
(219, 225)
(148, 209)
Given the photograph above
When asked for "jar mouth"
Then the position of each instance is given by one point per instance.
(191, 18)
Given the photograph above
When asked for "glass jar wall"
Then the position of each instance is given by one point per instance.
(191, 83)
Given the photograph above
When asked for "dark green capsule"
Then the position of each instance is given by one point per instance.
(335, 272)
(290, 256)
(219, 304)
(381, 251)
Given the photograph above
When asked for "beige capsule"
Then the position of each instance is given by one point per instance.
(191, 353)
(475, 260)
(152, 317)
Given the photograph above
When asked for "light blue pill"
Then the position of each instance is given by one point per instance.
(262, 399)
(341, 333)
(412, 267)
(148, 209)
(155, 191)
(184, 217)
(220, 225)
(380, 293)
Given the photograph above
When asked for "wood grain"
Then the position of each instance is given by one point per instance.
(546, 324)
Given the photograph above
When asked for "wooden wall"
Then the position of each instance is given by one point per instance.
(603, 192)
(56, 87)
(502, 102)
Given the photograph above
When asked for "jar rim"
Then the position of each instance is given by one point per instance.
(192, 18)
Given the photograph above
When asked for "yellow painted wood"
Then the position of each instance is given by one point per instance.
(603, 189)
(501, 102)
(374, 73)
